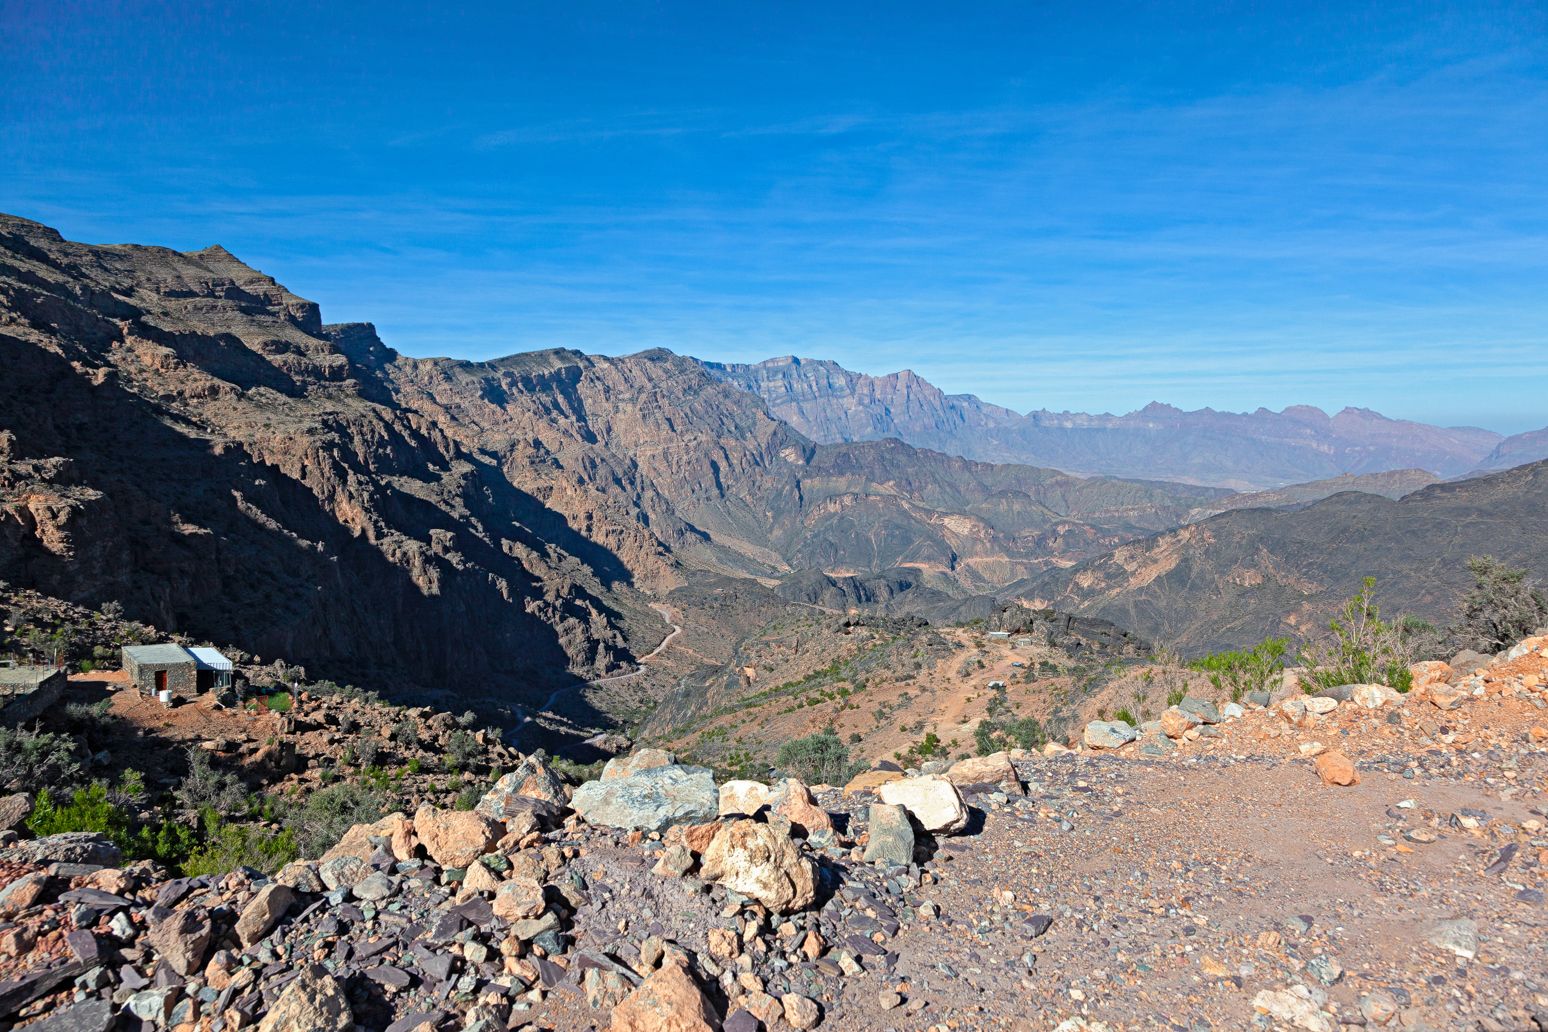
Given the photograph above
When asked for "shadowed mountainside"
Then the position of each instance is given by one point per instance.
(1240, 576)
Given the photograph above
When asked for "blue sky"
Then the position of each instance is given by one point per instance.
(1074, 207)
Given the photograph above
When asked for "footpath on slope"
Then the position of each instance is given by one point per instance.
(1376, 861)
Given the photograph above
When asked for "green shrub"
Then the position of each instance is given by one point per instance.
(33, 760)
(85, 809)
(318, 823)
(228, 846)
(205, 788)
(1127, 716)
(1362, 648)
(1239, 671)
(822, 758)
(278, 702)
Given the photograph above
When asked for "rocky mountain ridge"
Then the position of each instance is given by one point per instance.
(1248, 451)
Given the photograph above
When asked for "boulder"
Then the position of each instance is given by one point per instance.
(1431, 671)
(300, 875)
(264, 911)
(14, 810)
(642, 759)
(1297, 1007)
(668, 1001)
(891, 841)
(1373, 696)
(520, 899)
(1466, 662)
(71, 847)
(1176, 721)
(531, 780)
(792, 800)
(314, 1002)
(932, 800)
(182, 940)
(342, 872)
(800, 1012)
(1334, 768)
(760, 861)
(994, 769)
(739, 798)
(870, 781)
(1321, 705)
(454, 838)
(394, 832)
(653, 799)
(1107, 734)
(1205, 712)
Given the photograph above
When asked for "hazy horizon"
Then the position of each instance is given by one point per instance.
(1063, 208)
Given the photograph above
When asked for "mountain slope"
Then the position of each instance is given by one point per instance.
(1392, 484)
(1516, 450)
(1243, 451)
(1240, 576)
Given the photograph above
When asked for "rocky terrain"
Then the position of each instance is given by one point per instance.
(1516, 450)
(1353, 858)
(1248, 451)
(1243, 575)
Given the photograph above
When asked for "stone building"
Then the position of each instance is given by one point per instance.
(185, 672)
(26, 692)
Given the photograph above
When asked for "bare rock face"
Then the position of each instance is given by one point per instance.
(264, 912)
(932, 800)
(668, 1001)
(183, 940)
(532, 779)
(640, 759)
(792, 800)
(314, 1002)
(758, 860)
(454, 838)
(653, 799)
(994, 769)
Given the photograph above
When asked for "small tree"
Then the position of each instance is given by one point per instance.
(31, 760)
(1362, 648)
(1503, 607)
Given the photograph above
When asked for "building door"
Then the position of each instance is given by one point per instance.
(161, 681)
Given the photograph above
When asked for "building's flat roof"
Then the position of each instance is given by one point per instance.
(167, 652)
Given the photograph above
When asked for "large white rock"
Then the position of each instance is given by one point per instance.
(1373, 696)
(932, 800)
(763, 862)
(740, 798)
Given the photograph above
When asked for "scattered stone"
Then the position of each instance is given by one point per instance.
(643, 759)
(1334, 768)
(800, 1012)
(1457, 936)
(1296, 1006)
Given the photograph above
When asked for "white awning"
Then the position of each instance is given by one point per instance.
(209, 659)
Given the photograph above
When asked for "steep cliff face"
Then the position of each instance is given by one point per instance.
(1246, 451)
(185, 436)
(1516, 450)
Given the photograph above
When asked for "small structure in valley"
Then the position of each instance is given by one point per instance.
(169, 667)
(26, 692)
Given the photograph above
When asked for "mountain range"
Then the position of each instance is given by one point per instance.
(182, 435)
(1251, 451)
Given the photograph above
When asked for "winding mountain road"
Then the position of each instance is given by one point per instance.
(553, 700)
